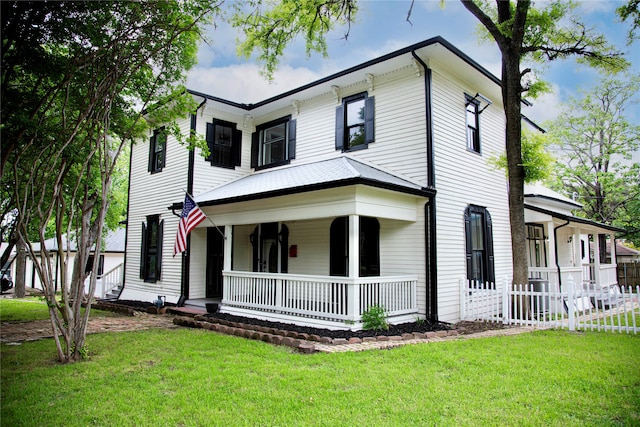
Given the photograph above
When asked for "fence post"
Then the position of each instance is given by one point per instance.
(506, 317)
(571, 303)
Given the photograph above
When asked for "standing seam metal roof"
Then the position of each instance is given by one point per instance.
(296, 178)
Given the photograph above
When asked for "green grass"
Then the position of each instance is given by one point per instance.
(187, 377)
(31, 308)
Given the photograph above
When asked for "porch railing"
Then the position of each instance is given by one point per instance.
(111, 279)
(544, 305)
(332, 298)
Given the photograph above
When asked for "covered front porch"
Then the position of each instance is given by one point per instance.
(320, 257)
(561, 247)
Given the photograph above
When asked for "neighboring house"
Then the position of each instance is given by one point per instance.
(625, 254)
(370, 186)
(561, 244)
(111, 259)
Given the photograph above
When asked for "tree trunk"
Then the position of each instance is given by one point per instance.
(511, 94)
(19, 286)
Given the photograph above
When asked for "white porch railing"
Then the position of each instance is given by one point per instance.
(607, 308)
(337, 299)
(110, 280)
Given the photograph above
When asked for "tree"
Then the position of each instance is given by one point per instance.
(521, 31)
(76, 79)
(596, 141)
(631, 11)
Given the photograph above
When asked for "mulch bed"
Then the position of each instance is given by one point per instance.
(394, 330)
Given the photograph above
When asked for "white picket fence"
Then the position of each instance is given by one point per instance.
(545, 305)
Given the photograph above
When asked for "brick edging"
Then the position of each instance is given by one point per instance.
(305, 343)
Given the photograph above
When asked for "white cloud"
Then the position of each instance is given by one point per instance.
(547, 107)
(243, 82)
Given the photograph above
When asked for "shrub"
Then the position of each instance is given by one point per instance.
(375, 318)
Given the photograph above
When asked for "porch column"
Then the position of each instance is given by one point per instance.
(551, 254)
(596, 259)
(228, 246)
(577, 254)
(353, 294)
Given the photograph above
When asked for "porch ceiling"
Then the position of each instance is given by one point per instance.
(333, 173)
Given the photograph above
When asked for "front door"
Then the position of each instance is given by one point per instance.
(215, 262)
(270, 243)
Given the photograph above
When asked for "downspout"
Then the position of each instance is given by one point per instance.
(555, 247)
(431, 269)
(186, 255)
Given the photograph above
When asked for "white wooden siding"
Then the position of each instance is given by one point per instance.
(464, 178)
(151, 194)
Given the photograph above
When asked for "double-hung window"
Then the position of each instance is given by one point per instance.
(473, 124)
(479, 245)
(157, 150)
(355, 122)
(274, 143)
(151, 251)
(224, 141)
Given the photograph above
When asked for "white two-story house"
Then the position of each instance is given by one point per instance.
(370, 186)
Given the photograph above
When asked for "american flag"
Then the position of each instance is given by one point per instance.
(190, 217)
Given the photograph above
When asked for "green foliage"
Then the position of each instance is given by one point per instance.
(270, 26)
(595, 141)
(631, 11)
(77, 78)
(536, 160)
(375, 318)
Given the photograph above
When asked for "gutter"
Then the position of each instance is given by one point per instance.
(555, 248)
(431, 267)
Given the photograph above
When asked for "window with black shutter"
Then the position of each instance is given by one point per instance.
(355, 122)
(479, 246)
(157, 150)
(225, 144)
(151, 251)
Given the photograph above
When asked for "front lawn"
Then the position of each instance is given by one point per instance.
(187, 377)
(32, 308)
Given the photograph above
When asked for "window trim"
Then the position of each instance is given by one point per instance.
(257, 153)
(153, 141)
(341, 136)
(474, 146)
(235, 147)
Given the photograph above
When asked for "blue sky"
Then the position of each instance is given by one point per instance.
(382, 28)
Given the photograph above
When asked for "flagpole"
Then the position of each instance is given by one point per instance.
(210, 220)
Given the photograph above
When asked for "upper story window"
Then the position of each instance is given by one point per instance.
(473, 124)
(274, 143)
(479, 246)
(151, 251)
(157, 150)
(225, 144)
(354, 122)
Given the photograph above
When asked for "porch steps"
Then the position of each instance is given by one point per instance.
(113, 294)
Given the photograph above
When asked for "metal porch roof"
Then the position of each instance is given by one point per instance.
(338, 172)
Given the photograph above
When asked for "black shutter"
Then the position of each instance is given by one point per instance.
(237, 147)
(159, 246)
(210, 140)
(369, 115)
(143, 252)
(255, 149)
(340, 127)
(468, 243)
(491, 274)
(292, 139)
(152, 141)
(164, 151)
